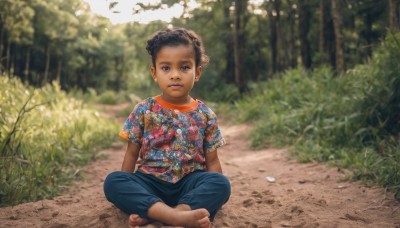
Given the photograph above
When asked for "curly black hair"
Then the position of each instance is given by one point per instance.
(175, 37)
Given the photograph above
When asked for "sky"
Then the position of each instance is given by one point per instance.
(126, 8)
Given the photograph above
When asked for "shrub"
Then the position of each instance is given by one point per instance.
(352, 120)
(44, 137)
(111, 97)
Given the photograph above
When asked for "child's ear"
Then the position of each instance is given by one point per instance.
(153, 73)
(199, 70)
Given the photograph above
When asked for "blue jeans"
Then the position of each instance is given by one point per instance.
(135, 193)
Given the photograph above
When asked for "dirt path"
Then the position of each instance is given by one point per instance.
(303, 195)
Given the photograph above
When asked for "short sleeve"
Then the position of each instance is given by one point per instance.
(213, 137)
(133, 126)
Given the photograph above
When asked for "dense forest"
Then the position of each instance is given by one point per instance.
(248, 41)
(319, 76)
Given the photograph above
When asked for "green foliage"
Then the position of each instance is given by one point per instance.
(111, 97)
(43, 41)
(217, 92)
(301, 103)
(44, 137)
(91, 96)
(125, 112)
(353, 120)
(382, 101)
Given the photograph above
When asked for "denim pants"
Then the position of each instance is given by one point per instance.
(135, 193)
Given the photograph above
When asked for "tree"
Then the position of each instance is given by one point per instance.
(304, 28)
(67, 32)
(292, 33)
(16, 23)
(323, 18)
(239, 42)
(273, 12)
(394, 15)
(230, 61)
(338, 26)
(326, 46)
(247, 41)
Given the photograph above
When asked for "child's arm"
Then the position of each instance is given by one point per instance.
(131, 157)
(212, 162)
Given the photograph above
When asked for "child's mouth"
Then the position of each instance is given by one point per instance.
(175, 85)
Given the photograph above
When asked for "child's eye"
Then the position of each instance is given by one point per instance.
(165, 68)
(185, 68)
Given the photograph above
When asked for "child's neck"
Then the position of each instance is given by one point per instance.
(178, 101)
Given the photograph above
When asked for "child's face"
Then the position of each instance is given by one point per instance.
(176, 72)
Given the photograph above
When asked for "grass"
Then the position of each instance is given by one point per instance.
(352, 120)
(45, 136)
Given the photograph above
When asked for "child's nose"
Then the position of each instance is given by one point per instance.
(175, 75)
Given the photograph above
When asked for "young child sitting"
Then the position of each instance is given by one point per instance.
(174, 139)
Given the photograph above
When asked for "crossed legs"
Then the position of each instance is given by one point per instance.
(201, 196)
(182, 215)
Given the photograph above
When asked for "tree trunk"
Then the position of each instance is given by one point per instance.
(27, 63)
(277, 9)
(59, 68)
(292, 36)
(304, 28)
(229, 54)
(367, 33)
(118, 64)
(393, 16)
(47, 65)
(8, 57)
(2, 66)
(327, 36)
(273, 38)
(322, 24)
(239, 43)
(258, 63)
(13, 62)
(337, 22)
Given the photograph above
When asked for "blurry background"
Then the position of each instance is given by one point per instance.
(320, 76)
(248, 41)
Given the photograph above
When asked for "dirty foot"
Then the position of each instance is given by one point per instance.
(136, 221)
(194, 219)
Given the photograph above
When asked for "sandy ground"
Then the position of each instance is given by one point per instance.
(302, 195)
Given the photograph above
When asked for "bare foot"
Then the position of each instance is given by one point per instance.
(136, 221)
(194, 219)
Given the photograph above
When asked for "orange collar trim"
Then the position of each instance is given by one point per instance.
(181, 108)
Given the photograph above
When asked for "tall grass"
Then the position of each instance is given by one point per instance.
(352, 120)
(44, 137)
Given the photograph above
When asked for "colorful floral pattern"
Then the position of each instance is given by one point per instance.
(173, 143)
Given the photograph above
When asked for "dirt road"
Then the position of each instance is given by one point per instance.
(302, 195)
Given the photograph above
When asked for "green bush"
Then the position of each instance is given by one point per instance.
(352, 120)
(44, 137)
(105, 97)
(382, 100)
(111, 97)
(300, 103)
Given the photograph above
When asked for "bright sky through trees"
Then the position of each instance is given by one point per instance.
(125, 9)
(123, 12)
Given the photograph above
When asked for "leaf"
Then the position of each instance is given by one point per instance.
(112, 5)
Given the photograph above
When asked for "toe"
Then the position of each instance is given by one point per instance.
(203, 213)
(133, 220)
(205, 223)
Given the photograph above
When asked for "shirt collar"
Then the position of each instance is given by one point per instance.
(181, 108)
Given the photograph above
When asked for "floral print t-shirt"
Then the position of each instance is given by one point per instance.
(173, 139)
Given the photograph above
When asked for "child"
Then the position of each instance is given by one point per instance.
(179, 179)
